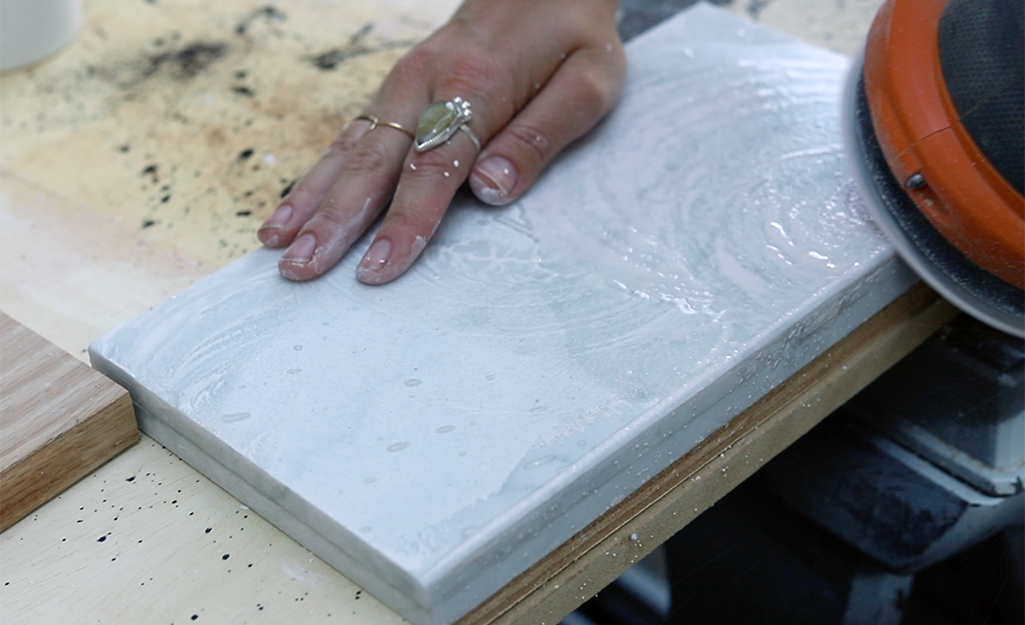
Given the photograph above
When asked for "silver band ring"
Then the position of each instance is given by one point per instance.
(440, 120)
(375, 122)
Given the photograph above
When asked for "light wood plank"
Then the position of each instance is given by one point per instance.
(59, 420)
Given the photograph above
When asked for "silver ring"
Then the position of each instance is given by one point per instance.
(440, 120)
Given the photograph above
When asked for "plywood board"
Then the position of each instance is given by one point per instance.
(435, 437)
(59, 420)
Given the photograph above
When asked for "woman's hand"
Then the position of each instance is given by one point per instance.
(538, 74)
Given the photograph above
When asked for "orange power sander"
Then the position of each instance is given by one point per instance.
(934, 123)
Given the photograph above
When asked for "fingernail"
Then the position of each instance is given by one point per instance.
(375, 259)
(279, 218)
(301, 250)
(493, 179)
(268, 232)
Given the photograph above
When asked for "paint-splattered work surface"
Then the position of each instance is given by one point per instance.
(435, 437)
(87, 242)
(168, 131)
(132, 163)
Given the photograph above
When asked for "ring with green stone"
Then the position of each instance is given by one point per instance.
(440, 120)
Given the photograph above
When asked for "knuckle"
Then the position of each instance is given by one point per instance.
(367, 157)
(342, 144)
(434, 163)
(330, 215)
(474, 74)
(590, 93)
(414, 63)
(535, 142)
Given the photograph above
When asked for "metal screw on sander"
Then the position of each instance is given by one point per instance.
(915, 181)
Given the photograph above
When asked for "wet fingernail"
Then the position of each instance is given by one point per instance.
(493, 180)
(269, 230)
(301, 250)
(375, 259)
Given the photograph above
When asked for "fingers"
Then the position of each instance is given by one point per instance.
(336, 202)
(428, 183)
(296, 208)
(578, 95)
(535, 84)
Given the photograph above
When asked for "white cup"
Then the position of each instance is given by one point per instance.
(31, 30)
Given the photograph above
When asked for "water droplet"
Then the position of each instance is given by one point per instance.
(445, 429)
(298, 348)
(413, 382)
(398, 446)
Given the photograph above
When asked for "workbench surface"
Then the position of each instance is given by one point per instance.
(143, 158)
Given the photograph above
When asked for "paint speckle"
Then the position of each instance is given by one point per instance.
(187, 62)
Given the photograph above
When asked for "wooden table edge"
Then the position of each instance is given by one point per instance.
(602, 551)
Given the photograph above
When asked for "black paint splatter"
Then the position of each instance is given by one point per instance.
(269, 13)
(187, 62)
(331, 59)
(244, 154)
